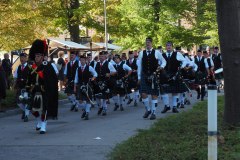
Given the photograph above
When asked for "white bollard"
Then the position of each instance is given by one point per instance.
(212, 122)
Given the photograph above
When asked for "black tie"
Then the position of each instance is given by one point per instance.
(169, 56)
(149, 52)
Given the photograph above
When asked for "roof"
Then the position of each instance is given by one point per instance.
(68, 44)
(101, 46)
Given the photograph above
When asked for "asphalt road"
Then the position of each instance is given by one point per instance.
(70, 137)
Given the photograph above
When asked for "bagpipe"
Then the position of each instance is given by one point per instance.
(100, 86)
(85, 89)
(25, 96)
(69, 87)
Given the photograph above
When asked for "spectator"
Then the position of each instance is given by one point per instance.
(7, 67)
(2, 85)
(61, 66)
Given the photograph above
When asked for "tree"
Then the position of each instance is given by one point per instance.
(228, 24)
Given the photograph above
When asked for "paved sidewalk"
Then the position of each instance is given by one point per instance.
(70, 137)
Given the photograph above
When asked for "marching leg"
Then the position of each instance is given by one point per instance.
(174, 103)
(165, 98)
(153, 109)
(147, 107)
(121, 102)
(202, 93)
(130, 98)
(88, 106)
(115, 99)
(104, 104)
(182, 100)
(26, 113)
(99, 103)
(43, 123)
(136, 96)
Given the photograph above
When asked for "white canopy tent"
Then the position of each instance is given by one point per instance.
(66, 44)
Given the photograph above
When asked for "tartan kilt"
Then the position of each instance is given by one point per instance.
(101, 94)
(201, 78)
(69, 88)
(174, 87)
(132, 83)
(82, 97)
(146, 87)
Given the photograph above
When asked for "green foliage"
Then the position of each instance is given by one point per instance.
(185, 22)
(181, 136)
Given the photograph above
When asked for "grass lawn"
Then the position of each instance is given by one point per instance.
(9, 102)
(181, 136)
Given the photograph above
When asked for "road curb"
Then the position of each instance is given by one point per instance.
(16, 111)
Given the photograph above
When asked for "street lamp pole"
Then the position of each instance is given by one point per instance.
(105, 25)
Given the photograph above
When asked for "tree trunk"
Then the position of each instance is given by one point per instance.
(73, 25)
(228, 17)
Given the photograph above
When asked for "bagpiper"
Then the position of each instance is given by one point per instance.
(133, 92)
(21, 77)
(42, 82)
(123, 72)
(217, 60)
(172, 84)
(201, 74)
(149, 61)
(69, 72)
(104, 82)
(84, 75)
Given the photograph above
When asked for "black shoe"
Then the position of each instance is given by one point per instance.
(129, 101)
(104, 113)
(121, 108)
(153, 116)
(72, 108)
(42, 132)
(166, 108)
(116, 107)
(83, 114)
(37, 129)
(25, 119)
(76, 109)
(178, 105)
(182, 106)
(146, 114)
(86, 116)
(174, 110)
(23, 115)
(135, 103)
(100, 111)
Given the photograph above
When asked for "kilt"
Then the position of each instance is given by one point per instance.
(201, 78)
(119, 88)
(106, 93)
(173, 87)
(69, 88)
(146, 87)
(132, 83)
(82, 96)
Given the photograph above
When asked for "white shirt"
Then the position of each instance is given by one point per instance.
(161, 61)
(93, 72)
(65, 71)
(179, 57)
(125, 66)
(15, 74)
(191, 64)
(110, 66)
(205, 61)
